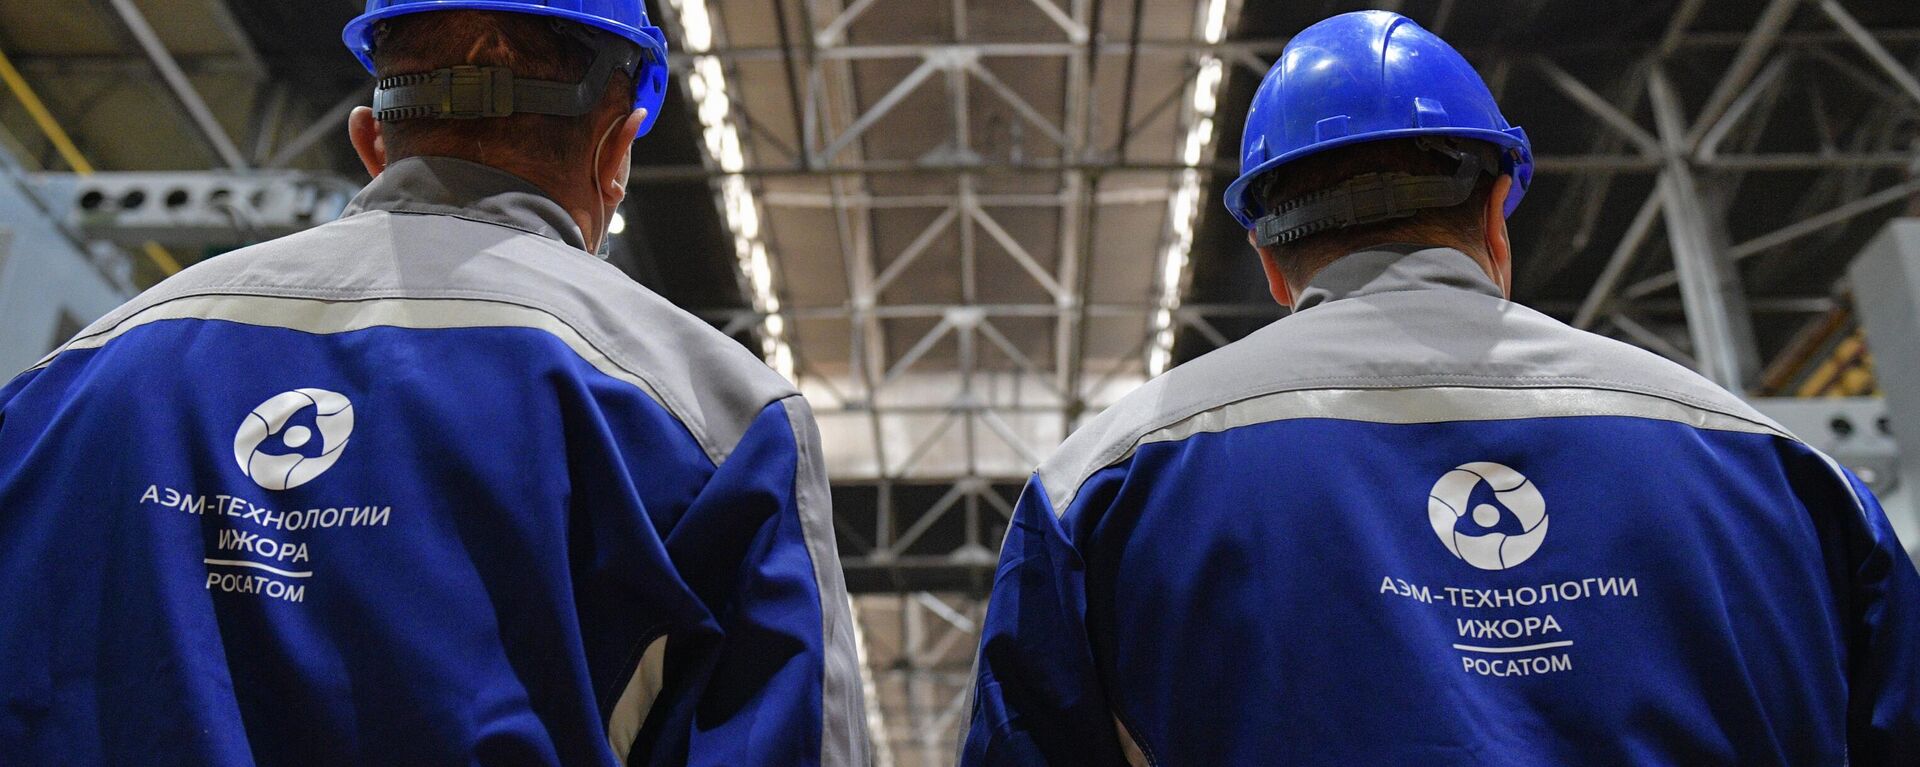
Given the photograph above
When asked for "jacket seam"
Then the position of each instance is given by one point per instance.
(1113, 455)
(716, 454)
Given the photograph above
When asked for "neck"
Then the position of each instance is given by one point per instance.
(1396, 268)
(590, 224)
(452, 186)
(1298, 285)
(574, 194)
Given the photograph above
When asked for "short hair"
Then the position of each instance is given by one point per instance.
(533, 47)
(1455, 227)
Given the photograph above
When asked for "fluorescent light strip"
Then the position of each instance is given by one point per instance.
(707, 85)
(1183, 209)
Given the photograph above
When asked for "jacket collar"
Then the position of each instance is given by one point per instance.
(445, 186)
(1392, 269)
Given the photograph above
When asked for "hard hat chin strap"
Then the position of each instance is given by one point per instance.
(469, 92)
(1371, 198)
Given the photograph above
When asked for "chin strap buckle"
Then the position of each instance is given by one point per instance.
(475, 92)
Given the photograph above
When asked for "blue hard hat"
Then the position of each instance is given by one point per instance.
(1368, 76)
(626, 18)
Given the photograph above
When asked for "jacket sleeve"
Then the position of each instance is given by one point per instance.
(780, 683)
(11, 389)
(1037, 698)
(1883, 717)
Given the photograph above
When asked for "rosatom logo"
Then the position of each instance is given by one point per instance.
(1490, 540)
(295, 459)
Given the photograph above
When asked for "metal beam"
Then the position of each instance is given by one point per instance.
(1019, 253)
(1796, 230)
(1078, 224)
(1181, 48)
(814, 200)
(837, 29)
(1753, 52)
(1677, 26)
(1578, 214)
(1759, 162)
(1127, 89)
(1076, 31)
(794, 90)
(867, 334)
(881, 108)
(920, 349)
(1878, 53)
(127, 67)
(332, 122)
(1887, 94)
(183, 90)
(222, 17)
(1616, 268)
(1599, 107)
(1646, 337)
(1709, 147)
(937, 227)
(1717, 317)
(1020, 105)
(1544, 165)
(269, 111)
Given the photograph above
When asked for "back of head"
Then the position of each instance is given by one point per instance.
(1371, 92)
(541, 148)
(1461, 227)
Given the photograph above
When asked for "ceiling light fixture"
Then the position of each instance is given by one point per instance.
(707, 86)
(1183, 209)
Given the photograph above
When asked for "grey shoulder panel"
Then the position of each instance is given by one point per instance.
(843, 712)
(708, 381)
(1398, 341)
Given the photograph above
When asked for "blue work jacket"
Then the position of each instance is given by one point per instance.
(427, 485)
(1416, 524)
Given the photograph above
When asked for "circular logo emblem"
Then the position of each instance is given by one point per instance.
(1483, 534)
(278, 448)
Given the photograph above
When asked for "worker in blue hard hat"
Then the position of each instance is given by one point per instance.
(1416, 523)
(430, 484)
(555, 92)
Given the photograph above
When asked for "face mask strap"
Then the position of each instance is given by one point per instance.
(604, 249)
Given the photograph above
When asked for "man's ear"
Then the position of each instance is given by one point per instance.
(1276, 281)
(364, 132)
(1493, 221)
(616, 160)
